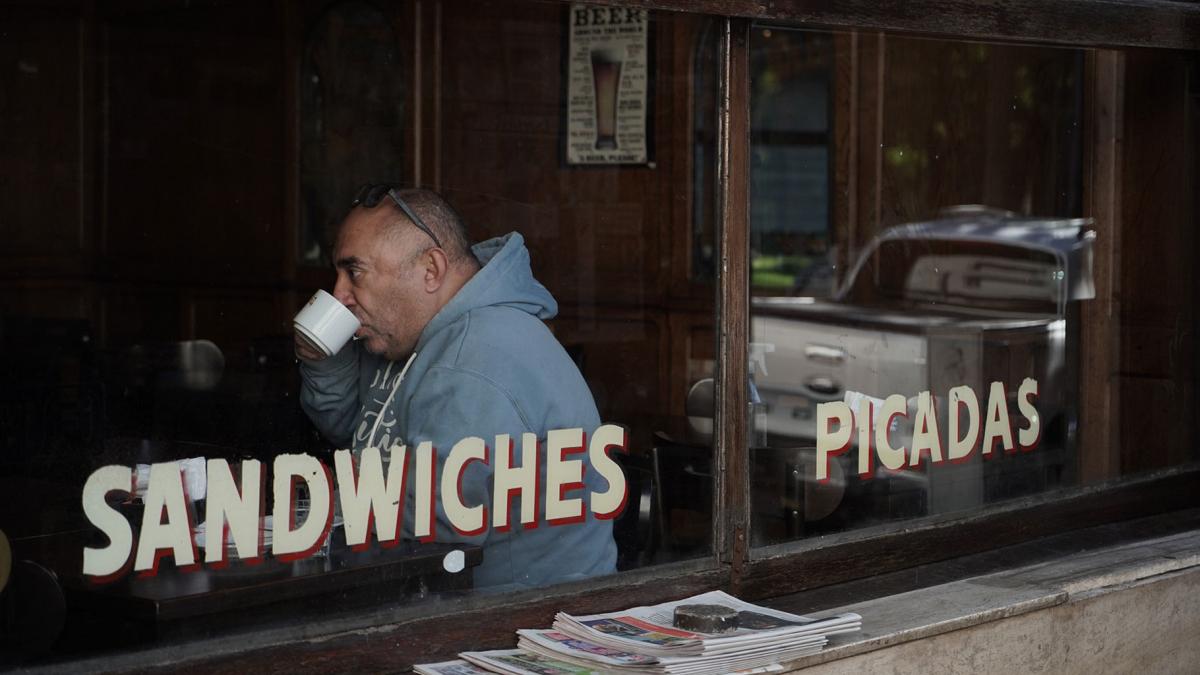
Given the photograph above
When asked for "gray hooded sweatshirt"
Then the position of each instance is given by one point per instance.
(486, 364)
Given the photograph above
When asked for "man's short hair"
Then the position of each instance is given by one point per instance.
(445, 222)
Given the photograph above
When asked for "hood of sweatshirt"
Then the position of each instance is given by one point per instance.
(505, 279)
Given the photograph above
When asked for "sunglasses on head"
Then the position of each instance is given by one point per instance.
(370, 195)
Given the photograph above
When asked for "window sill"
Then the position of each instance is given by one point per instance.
(926, 613)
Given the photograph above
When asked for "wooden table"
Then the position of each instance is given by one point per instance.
(81, 616)
(208, 602)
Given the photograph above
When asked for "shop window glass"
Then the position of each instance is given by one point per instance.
(164, 333)
(944, 372)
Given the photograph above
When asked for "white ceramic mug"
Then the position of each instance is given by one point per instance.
(325, 324)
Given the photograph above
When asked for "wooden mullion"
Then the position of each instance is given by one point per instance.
(1099, 391)
(426, 113)
(731, 523)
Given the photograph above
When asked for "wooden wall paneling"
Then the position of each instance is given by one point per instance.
(692, 355)
(680, 57)
(237, 315)
(235, 320)
(90, 133)
(301, 280)
(587, 227)
(616, 242)
(594, 233)
(1157, 349)
(500, 108)
(675, 138)
(427, 111)
(46, 155)
(620, 354)
(142, 314)
(48, 299)
(499, 158)
(677, 355)
(611, 258)
(292, 22)
(1099, 405)
(660, 210)
(195, 144)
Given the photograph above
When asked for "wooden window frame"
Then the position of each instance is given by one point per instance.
(438, 630)
(802, 565)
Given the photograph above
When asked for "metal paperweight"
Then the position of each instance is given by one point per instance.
(706, 618)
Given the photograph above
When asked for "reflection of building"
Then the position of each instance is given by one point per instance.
(953, 300)
(157, 200)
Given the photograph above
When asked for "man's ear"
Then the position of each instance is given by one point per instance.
(436, 268)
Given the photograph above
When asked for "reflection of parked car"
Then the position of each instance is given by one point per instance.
(975, 297)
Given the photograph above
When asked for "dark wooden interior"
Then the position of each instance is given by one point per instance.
(151, 192)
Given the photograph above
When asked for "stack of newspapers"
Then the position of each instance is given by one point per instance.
(643, 640)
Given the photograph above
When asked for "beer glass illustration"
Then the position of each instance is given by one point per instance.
(606, 78)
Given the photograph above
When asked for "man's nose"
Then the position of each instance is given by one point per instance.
(341, 291)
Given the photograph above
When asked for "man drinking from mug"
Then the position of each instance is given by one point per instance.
(452, 344)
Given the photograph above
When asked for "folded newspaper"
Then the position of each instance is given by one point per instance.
(458, 667)
(598, 658)
(644, 641)
(650, 630)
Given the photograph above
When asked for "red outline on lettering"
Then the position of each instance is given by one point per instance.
(870, 472)
(937, 428)
(196, 561)
(887, 437)
(506, 512)
(990, 448)
(122, 571)
(133, 542)
(1037, 440)
(458, 489)
(222, 561)
(432, 536)
(563, 488)
(844, 448)
(937, 433)
(978, 429)
(538, 486)
(258, 520)
(354, 474)
(395, 540)
(624, 448)
(300, 555)
(162, 552)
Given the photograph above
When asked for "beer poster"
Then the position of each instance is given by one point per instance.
(607, 85)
